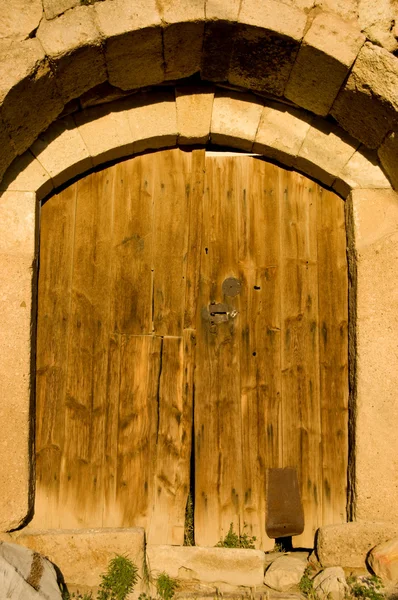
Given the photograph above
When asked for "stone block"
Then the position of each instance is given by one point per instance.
(375, 234)
(367, 104)
(7, 150)
(194, 110)
(383, 560)
(325, 151)
(28, 93)
(83, 555)
(228, 565)
(284, 573)
(327, 52)
(181, 10)
(274, 16)
(61, 151)
(235, 119)
(347, 545)
(18, 19)
(281, 132)
(330, 584)
(54, 8)
(105, 131)
(26, 174)
(346, 9)
(134, 37)
(17, 261)
(226, 11)
(153, 120)
(388, 154)
(266, 45)
(218, 45)
(183, 44)
(362, 171)
(182, 37)
(73, 43)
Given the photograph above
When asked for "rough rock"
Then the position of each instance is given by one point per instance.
(73, 44)
(330, 584)
(53, 8)
(134, 37)
(383, 560)
(378, 21)
(18, 18)
(25, 575)
(266, 45)
(234, 566)
(348, 544)
(367, 105)
(327, 52)
(183, 44)
(28, 92)
(284, 573)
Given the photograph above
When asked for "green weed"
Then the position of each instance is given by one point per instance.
(366, 588)
(233, 540)
(118, 581)
(306, 585)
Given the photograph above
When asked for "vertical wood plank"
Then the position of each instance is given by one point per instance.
(218, 446)
(194, 220)
(170, 172)
(112, 516)
(132, 246)
(259, 257)
(140, 367)
(56, 259)
(333, 353)
(300, 348)
(81, 498)
(173, 451)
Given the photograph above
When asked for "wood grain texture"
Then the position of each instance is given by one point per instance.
(140, 346)
(260, 359)
(300, 345)
(53, 319)
(218, 430)
(333, 354)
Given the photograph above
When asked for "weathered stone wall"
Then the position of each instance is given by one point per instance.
(313, 85)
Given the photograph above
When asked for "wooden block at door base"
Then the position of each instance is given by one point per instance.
(285, 515)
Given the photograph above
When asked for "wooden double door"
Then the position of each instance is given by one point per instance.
(192, 333)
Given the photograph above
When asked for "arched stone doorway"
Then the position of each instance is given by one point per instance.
(41, 76)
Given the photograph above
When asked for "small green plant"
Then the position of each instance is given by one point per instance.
(366, 588)
(166, 586)
(306, 585)
(233, 540)
(119, 580)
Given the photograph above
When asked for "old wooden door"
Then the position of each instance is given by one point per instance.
(192, 332)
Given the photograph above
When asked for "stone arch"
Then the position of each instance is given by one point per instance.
(302, 87)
